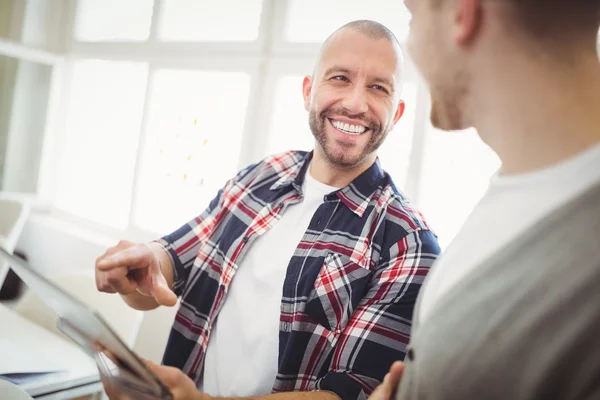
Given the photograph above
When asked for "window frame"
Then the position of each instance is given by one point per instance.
(24, 52)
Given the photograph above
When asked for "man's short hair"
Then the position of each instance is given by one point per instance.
(555, 20)
(372, 29)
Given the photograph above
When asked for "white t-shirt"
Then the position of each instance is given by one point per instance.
(511, 204)
(242, 354)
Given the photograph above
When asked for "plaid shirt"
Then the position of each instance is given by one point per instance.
(350, 286)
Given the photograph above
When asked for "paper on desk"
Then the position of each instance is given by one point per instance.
(16, 358)
(28, 348)
(19, 379)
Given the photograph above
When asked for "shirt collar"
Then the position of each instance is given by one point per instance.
(294, 175)
(356, 196)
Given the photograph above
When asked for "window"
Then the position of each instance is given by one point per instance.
(194, 133)
(313, 20)
(395, 152)
(289, 128)
(210, 21)
(104, 115)
(457, 167)
(24, 93)
(113, 20)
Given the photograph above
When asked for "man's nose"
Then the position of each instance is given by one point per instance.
(355, 101)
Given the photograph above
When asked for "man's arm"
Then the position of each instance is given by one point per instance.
(183, 245)
(149, 275)
(287, 396)
(183, 388)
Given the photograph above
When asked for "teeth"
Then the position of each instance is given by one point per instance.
(349, 129)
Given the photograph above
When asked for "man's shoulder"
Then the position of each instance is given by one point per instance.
(402, 228)
(398, 209)
(273, 166)
(280, 162)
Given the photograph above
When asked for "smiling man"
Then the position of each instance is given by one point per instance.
(301, 276)
(512, 309)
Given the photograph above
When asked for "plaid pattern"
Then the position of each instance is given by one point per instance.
(350, 286)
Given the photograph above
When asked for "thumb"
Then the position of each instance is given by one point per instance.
(393, 378)
(161, 292)
(170, 376)
(396, 372)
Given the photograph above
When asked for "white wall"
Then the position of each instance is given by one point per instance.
(26, 129)
(54, 246)
(24, 88)
(8, 72)
(11, 18)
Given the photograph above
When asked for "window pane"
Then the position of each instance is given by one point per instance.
(457, 167)
(104, 115)
(196, 120)
(289, 128)
(210, 21)
(314, 20)
(113, 20)
(395, 151)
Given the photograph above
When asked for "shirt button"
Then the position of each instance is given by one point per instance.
(245, 239)
(410, 355)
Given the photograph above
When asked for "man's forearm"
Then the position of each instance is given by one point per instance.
(288, 396)
(141, 302)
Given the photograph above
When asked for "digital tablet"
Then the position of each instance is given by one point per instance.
(120, 366)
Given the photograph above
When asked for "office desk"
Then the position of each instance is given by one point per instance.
(29, 348)
(63, 385)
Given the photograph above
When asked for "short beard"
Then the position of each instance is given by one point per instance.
(318, 124)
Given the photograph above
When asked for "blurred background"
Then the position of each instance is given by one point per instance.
(120, 119)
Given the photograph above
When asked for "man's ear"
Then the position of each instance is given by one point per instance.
(399, 111)
(467, 21)
(306, 90)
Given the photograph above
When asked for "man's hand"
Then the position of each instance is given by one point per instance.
(130, 268)
(178, 383)
(388, 388)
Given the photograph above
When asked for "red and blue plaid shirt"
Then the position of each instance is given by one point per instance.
(350, 287)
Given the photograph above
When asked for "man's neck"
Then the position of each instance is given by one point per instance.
(534, 114)
(330, 174)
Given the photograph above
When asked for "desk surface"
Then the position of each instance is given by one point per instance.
(32, 348)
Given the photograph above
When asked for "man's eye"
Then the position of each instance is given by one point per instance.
(340, 78)
(381, 88)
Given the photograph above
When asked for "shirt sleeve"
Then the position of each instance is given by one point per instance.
(379, 330)
(184, 244)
